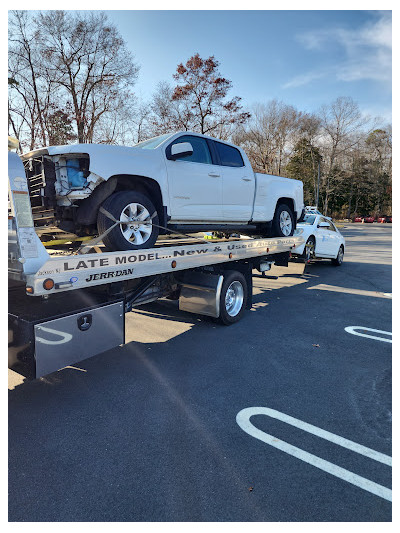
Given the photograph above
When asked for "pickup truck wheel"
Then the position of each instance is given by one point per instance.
(139, 213)
(283, 222)
(233, 298)
(339, 258)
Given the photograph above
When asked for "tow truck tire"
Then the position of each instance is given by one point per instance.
(283, 222)
(233, 298)
(133, 236)
(339, 258)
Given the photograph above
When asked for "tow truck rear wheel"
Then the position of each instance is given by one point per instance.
(136, 209)
(233, 298)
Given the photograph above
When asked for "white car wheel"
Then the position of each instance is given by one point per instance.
(309, 250)
(339, 258)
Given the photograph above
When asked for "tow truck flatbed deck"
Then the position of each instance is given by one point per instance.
(79, 271)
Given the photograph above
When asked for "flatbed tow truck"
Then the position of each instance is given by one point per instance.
(66, 306)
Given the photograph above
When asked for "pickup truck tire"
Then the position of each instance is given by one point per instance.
(139, 211)
(339, 258)
(233, 298)
(283, 222)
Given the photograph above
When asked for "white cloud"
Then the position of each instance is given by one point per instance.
(381, 115)
(304, 79)
(380, 33)
(367, 52)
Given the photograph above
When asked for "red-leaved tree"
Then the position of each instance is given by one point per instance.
(202, 94)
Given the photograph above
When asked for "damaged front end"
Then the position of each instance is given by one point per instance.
(57, 186)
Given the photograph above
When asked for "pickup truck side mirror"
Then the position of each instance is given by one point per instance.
(324, 225)
(179, 150)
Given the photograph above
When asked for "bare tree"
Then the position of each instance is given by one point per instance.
(288, 124)
(167, 114)
(86, 56)
(25, 78)
(268, 135)
(259, 138)
(342, 125)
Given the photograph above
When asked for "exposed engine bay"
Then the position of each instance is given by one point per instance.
(57, 186)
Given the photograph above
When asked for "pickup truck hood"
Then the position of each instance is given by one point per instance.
(107, 160)
(94, 150)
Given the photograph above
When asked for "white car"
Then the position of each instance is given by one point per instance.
(181, 182)
(313, 210)
(322, 239)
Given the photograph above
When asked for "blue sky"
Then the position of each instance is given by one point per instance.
(304, 58)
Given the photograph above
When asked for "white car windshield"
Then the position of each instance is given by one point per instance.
(309, 219)
(154, 142)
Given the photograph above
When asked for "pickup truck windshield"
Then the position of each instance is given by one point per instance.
(153, 143)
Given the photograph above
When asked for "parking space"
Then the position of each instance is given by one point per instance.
(284, 416)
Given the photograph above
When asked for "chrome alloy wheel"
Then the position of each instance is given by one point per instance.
(340, 255)
(234, 298)
(136, 224)
(285, 223)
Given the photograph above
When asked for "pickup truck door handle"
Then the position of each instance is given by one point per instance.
(246, 179)
(212, 175)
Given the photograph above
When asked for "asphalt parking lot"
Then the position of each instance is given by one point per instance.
(160, 429)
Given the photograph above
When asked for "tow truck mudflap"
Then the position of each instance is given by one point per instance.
(200, 293)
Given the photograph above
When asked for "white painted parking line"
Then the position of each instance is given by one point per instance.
(354, 331)
(243, 420)
(347, 290)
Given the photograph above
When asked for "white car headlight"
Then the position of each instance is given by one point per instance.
(298, 231)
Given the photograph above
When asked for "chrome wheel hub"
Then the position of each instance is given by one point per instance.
(285, 223)
(136, 223)
(234, 298)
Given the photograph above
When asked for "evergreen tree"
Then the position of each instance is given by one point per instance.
(303, 165)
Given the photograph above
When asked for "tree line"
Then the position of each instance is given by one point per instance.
(71, 79)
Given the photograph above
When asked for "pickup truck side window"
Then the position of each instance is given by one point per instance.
(201, 152)
(229, 156)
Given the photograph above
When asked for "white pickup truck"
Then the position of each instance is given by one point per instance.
(184, 182)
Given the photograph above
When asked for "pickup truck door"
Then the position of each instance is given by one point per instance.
(238, 184)
(195, 183)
